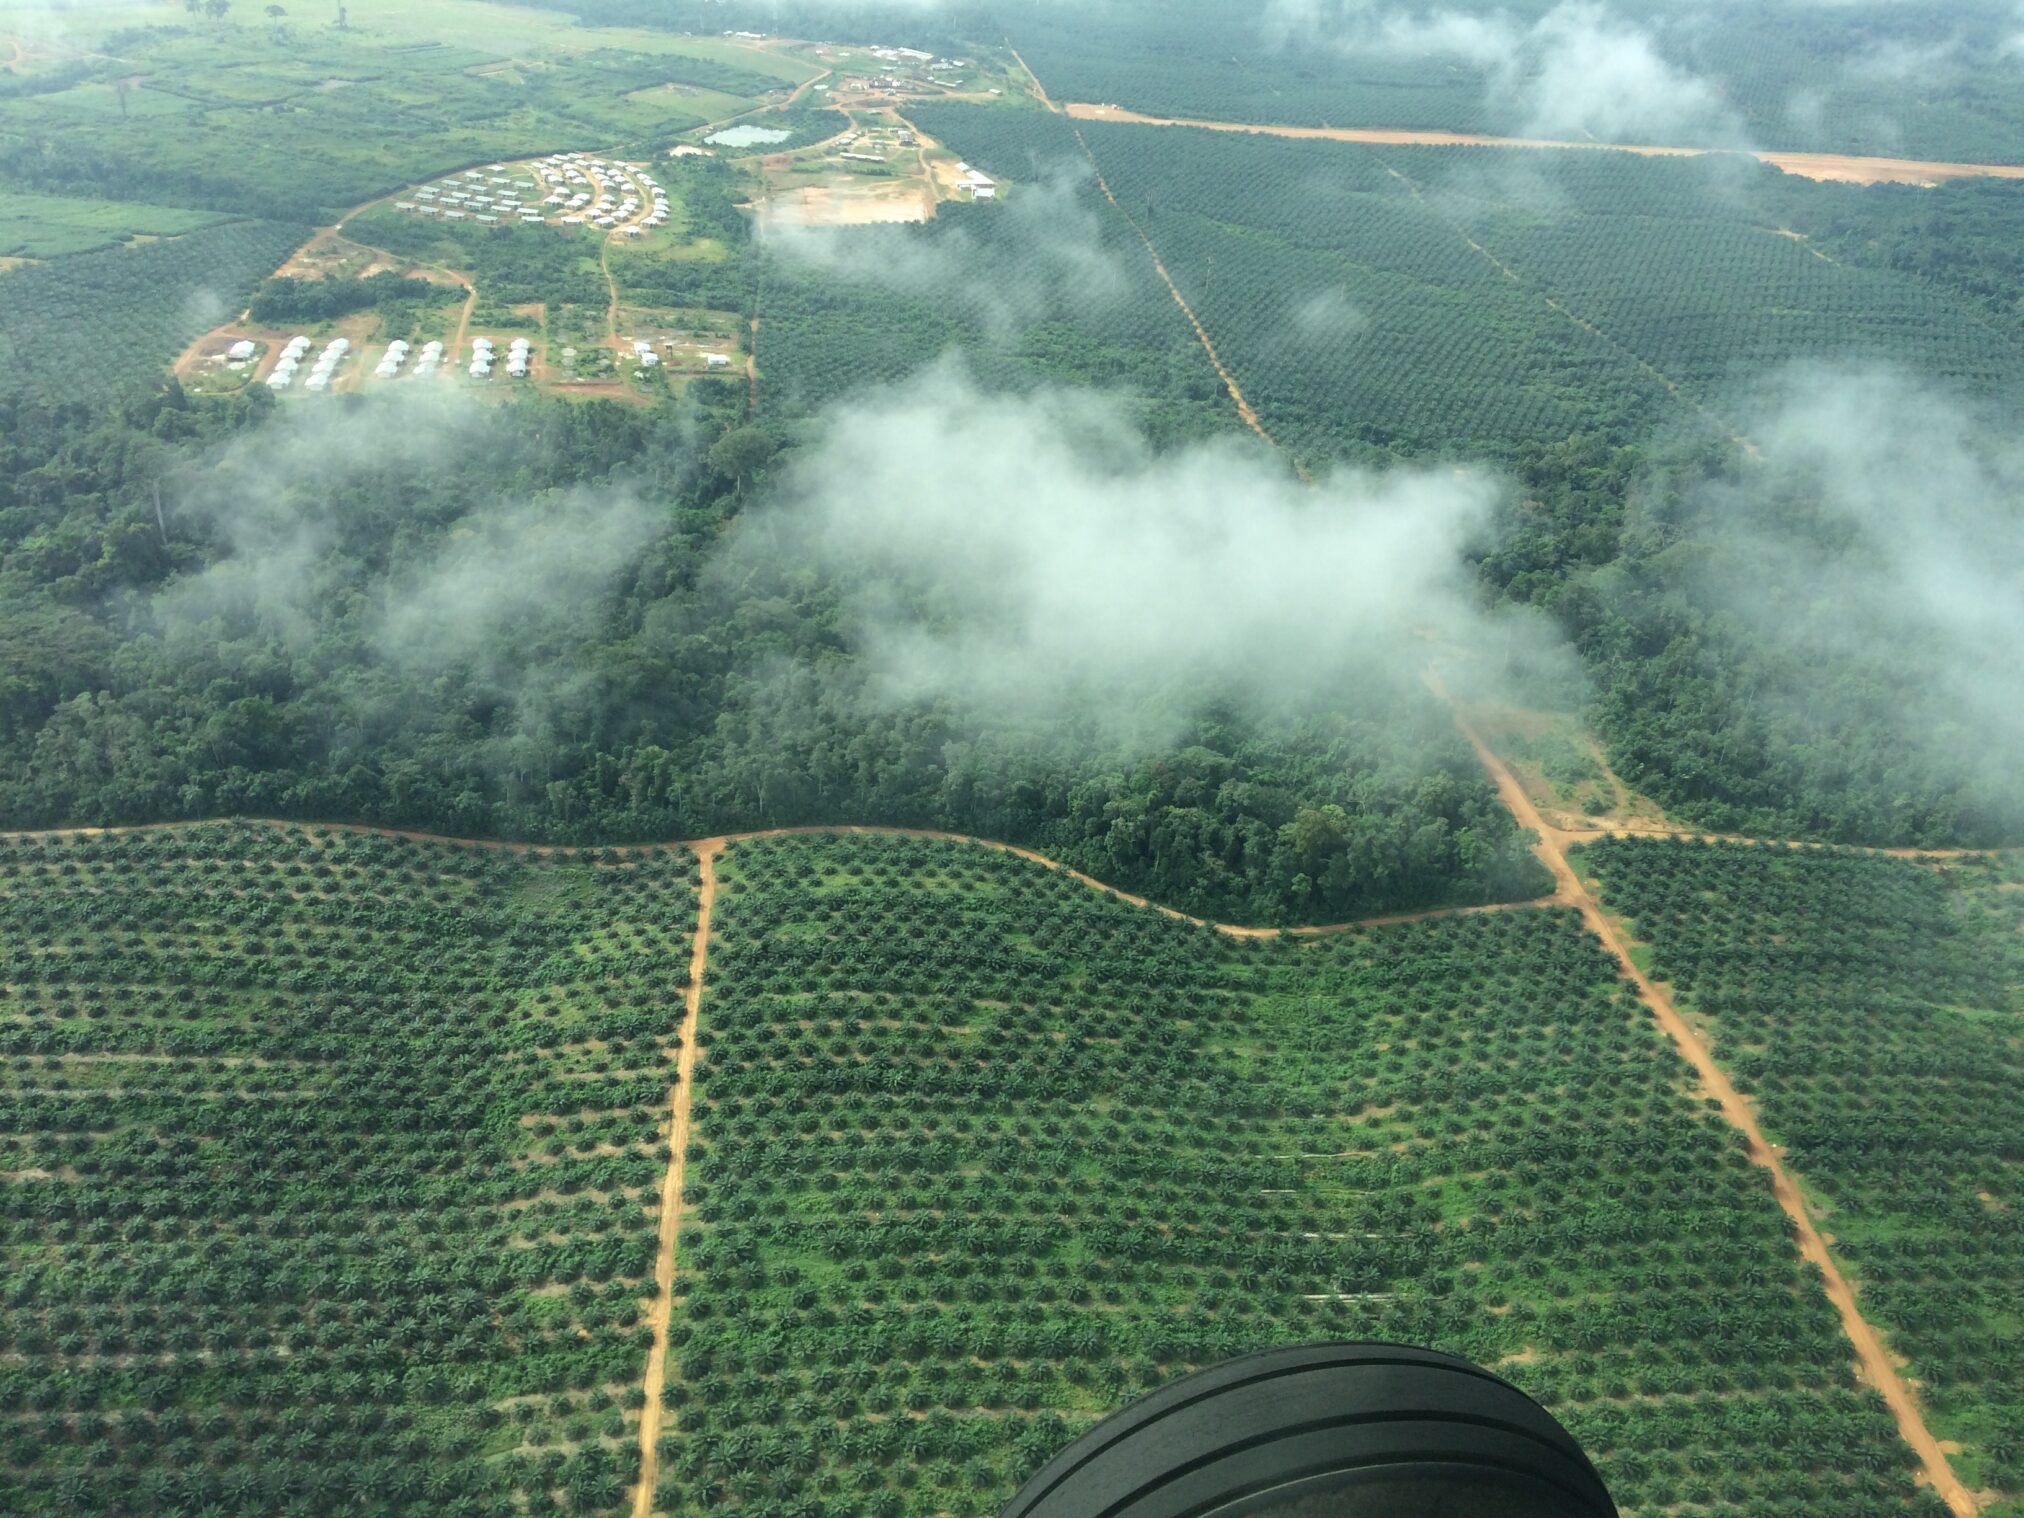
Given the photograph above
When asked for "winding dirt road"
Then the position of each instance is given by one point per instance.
(1847, 167)
(656, 1379)
(1877, 1367)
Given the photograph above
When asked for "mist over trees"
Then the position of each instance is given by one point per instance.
(345, 616)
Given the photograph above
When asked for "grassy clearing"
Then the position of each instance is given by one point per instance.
(402, 93)
(47, 226)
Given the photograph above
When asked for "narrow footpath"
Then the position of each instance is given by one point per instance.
(1873, 1358)
(1201, 333)
(656, 1378)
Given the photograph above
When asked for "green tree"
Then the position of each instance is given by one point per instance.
(741, 453)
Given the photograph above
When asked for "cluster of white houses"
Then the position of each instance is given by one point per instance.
(580, 190)
(486, 196)
(980, 185)
(320, 373)
(428, 360)
(484, 353)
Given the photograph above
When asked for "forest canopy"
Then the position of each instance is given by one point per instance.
(352, 619)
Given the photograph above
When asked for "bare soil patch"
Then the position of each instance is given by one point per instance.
(848, 204)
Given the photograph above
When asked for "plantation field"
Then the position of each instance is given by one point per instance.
(1895, 80)
(331, 1170)
(48, 226)
(978, 1153)
(1874, 1010)
(401, 94)
(1416, 298)
(1051, 285)
(107, 324)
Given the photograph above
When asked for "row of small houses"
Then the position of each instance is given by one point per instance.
(483, 354)
(648, 359)
(427, 362)
(292, 354)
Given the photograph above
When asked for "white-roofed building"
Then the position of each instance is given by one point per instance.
(245, 348)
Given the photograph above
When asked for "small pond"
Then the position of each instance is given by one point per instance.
(747, 136)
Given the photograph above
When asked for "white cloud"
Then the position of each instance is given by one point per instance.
(1028, 553)
(1578, 73)
(1589, 75)
(1048, 256)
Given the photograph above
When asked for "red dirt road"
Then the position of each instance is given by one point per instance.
(656, 1378)
(1874, 1359)
(1850, 168)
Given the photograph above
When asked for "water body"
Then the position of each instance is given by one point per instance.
(747, 136)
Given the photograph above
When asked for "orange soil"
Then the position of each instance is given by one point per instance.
(848, 204)
(1874, 1360)
(671, 1187)
(1840, 166)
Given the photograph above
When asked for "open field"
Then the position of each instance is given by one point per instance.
(49, 226)
(400, 94)
(878, 169)
(1891, 81)
(1873, 1009)
(888, 1298)
(1565, 772)
(368, 1133)
(553, 250)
